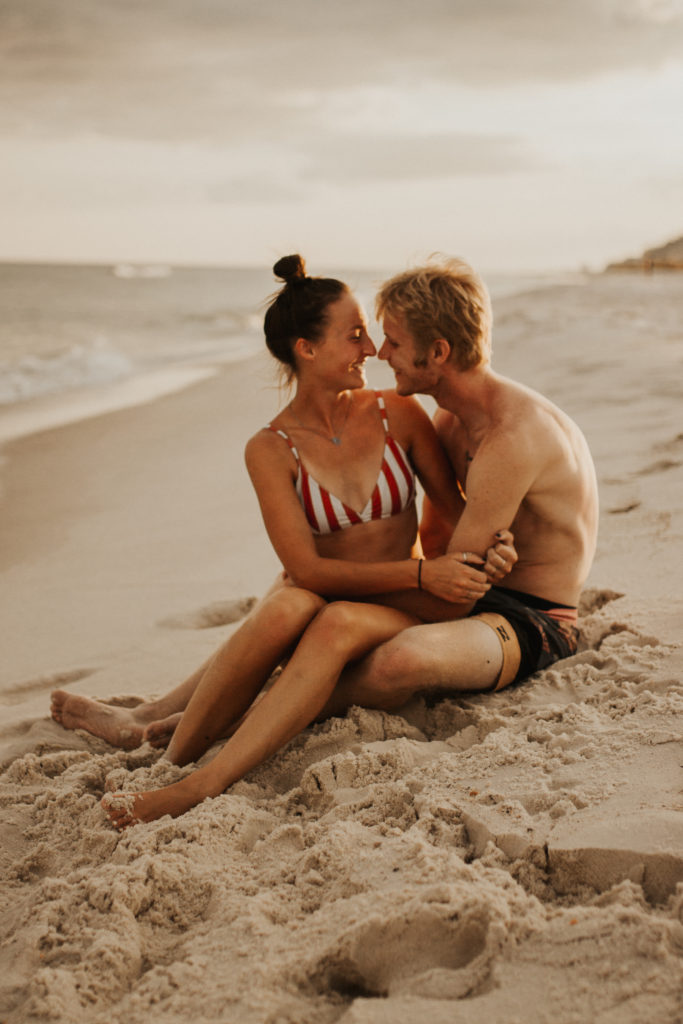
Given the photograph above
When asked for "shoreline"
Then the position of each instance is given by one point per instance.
(58, 409)
(150, 493)
(52, 409)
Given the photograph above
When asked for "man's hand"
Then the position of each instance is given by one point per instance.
(501, 557)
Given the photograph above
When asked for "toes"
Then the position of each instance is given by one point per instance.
(158, 733)
(158, 741)
(121, 820)
(117, 812)
(57, 698)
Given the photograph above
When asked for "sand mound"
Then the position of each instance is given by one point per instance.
(381, 866)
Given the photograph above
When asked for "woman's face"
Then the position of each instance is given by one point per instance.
(346, 344)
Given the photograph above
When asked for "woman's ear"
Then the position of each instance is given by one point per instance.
(304, 349)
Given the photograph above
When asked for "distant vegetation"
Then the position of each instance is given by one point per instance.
(664, 257)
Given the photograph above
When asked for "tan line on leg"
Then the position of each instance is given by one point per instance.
(512, 654)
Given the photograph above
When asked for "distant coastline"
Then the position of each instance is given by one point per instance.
(663, 257)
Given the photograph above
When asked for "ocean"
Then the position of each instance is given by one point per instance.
(80, 339)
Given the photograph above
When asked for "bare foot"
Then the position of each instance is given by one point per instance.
(126, 809)
(118, 726)
(158, 733)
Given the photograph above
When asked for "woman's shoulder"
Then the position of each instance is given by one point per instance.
(406, 420)
(267, 443)
(403, 408)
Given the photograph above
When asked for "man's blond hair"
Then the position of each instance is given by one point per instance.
(443, 299)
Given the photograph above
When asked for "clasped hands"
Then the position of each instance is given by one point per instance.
(463, 576)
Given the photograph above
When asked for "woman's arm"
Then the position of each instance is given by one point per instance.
(435, 530)
(410, 424)
(272, 469)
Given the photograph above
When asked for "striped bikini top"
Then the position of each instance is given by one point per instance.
(393, 492)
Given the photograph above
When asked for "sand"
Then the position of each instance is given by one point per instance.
(508, 858)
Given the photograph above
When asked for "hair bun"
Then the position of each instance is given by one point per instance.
(290, 269)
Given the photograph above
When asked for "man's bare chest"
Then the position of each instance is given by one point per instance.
(461, 452)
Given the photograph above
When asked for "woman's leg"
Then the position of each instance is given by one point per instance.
(156, 720)
(238, 670)
(341, 632)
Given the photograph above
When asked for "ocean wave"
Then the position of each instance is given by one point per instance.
(150, 270)
(77, 367)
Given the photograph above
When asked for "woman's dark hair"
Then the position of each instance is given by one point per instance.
(299, 310)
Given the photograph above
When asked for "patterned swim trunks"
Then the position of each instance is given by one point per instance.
(544, 629)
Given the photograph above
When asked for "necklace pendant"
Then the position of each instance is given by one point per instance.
(336, 440)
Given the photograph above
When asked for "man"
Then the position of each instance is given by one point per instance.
(520, 461)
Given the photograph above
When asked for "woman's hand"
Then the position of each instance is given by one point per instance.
(500, 558)
(456, 577)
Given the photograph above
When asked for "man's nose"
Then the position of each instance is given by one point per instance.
(383, 354)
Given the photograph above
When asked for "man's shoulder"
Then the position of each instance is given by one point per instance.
(445, 422)
(520, 411)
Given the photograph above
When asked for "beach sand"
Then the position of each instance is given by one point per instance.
(515, 857)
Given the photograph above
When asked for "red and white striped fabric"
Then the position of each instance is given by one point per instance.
(394, 490)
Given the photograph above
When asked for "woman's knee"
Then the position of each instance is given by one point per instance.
(291, 608)
(340, 624)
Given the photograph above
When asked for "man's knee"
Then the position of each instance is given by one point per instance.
(396, 668)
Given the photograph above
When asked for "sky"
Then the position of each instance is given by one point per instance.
(521, 134)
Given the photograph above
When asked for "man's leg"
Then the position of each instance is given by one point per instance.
(120, 726)
(454, 657)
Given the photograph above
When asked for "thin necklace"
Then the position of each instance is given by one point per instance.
(334, 438)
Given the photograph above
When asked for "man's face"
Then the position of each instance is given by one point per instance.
(400, 352)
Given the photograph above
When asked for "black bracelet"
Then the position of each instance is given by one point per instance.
(419, 574)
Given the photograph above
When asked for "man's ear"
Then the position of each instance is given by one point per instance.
(304, 349)
(441, 351)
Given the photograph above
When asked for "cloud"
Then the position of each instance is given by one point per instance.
(346, 158)
(218, 69)
(324, 160)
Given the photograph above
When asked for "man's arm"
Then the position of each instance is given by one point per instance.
(499, 477)
(437, 533)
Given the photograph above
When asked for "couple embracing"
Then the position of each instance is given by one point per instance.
(369, 611)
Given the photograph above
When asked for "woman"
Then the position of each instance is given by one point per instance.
(340, 528)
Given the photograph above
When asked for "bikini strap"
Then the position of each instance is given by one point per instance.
(276, 430)
(383, 410)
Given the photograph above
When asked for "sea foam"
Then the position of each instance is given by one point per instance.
(77, 367)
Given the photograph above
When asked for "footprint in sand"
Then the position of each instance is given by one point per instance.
(660, 466)
(623, 509)
(219, 613)
(18, 692)
(433, 946)
(668, 446)
(670, 450)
